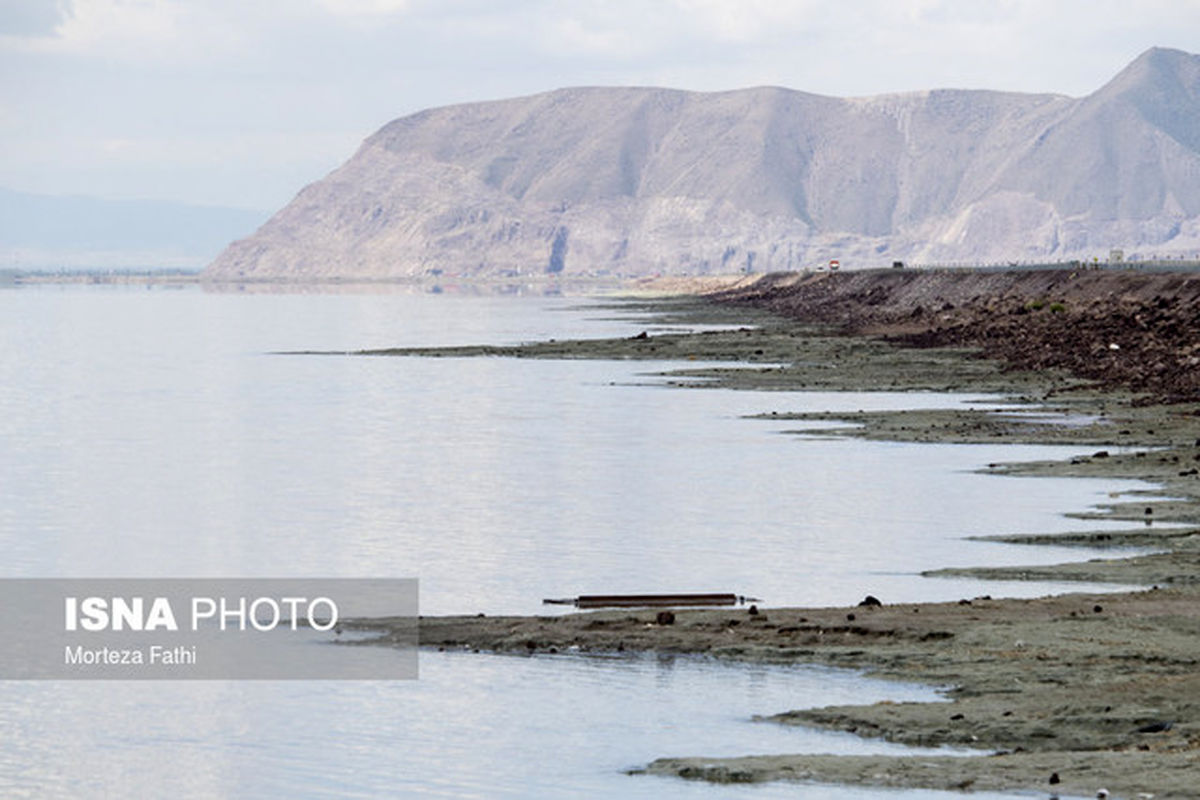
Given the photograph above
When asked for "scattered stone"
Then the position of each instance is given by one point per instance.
(870, 600)
(665, 618)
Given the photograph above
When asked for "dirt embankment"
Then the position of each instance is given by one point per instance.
(1136, 330)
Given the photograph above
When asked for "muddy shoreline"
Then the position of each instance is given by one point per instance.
(1092, 690)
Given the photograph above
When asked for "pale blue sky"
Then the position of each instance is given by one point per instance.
(243, 102)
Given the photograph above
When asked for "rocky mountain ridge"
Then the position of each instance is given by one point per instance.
(633, 181)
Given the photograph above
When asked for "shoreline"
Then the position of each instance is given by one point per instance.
(1095, 689)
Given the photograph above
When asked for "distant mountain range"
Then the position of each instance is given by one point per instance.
(49, 232)
(643, 180)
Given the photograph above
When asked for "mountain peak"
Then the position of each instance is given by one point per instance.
(1168, 57)
(1157, 67)
(1163, 86)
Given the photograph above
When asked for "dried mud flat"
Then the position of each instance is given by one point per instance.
(1062, 695)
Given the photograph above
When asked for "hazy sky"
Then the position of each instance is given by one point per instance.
(243, 102)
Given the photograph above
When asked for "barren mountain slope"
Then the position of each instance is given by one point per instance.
(642, 180)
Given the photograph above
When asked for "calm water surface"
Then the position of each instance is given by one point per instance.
(156, 433)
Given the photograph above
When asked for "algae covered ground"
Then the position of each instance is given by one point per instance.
(1063, 694)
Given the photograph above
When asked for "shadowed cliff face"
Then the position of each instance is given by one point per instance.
(642, 180)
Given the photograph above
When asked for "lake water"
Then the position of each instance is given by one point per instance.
(155, 433)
